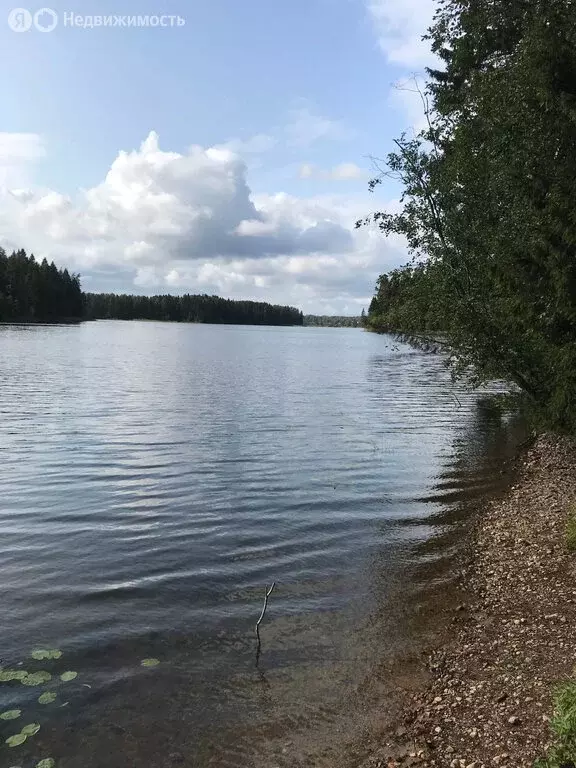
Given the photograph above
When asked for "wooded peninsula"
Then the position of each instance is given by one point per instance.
(40, 292)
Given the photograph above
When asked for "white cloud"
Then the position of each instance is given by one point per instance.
(305, 127)
(255, 145)
(347, 171)
(18, 151)
(189, 222)
(342, 172)
(20, 146)
(400, 25)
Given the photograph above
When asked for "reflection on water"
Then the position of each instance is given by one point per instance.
(155, 477)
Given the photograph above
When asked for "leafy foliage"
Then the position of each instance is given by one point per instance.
(488, 207)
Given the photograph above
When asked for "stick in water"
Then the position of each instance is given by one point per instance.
(267, 593)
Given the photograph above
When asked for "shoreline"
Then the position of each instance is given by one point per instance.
(56, 321)
(488, 699)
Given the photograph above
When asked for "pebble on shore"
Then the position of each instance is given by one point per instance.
(490, 697)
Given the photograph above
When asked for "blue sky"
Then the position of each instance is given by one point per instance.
(282, 104)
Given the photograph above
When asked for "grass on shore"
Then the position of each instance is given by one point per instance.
(563, 724)
(571, 529)
(562, 754)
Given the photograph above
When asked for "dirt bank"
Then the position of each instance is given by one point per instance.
(489, 699)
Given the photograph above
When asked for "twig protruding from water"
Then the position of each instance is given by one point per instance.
(267, 592)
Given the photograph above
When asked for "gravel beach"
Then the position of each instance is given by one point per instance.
(489, 698)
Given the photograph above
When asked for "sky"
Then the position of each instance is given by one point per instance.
(226, 155)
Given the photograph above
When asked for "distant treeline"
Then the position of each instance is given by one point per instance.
(40, 292)
(187, 309)
(333, 321)
(37, 292)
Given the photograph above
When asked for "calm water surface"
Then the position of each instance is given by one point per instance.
(155, 477)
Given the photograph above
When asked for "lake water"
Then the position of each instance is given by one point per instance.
(154, 478)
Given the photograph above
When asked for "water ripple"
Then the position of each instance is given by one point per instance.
(155, 477)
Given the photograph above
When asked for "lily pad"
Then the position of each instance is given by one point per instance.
(37, 678)
(48, 762)
(6, 675)
(66, 677)
(11, 714)
(31, 730)
(47, 698)
(150, 662)
(42, 654)
(16, 740)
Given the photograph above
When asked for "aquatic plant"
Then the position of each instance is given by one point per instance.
(47, 698)
(16, 740)
(36, 678)
(39, 678)
(11, 714)
(40, 655)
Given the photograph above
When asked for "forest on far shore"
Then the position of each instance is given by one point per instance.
(188, 309)
(333, 321)
(39, 292)
(32, 291)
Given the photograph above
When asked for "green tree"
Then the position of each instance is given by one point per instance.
(37, 292)
(489, 209)
(188, 308)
